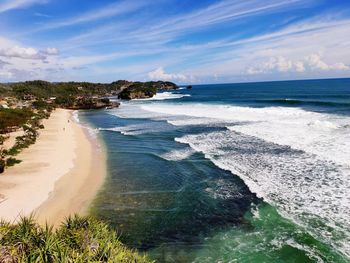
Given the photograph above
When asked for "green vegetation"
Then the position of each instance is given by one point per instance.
(62, 90)
(42, 105)
(2, 165)
(12, 161)
(138, 90)
(64, 94)
(78, 239)
(4, 89)
(2, 139)
(13, 118)
(88, 103)
(141, 90)
(22, 142)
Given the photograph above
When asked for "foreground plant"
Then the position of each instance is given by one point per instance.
(78, 239)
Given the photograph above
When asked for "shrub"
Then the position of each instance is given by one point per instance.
(12, 161)
(2, 166)
(78, 239)
(42, 105)
(12, 151)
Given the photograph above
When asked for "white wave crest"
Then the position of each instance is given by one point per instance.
(166, 96)
(325, 135)
(302, 186)
(75, 116)
(297, 160)
(178, 155)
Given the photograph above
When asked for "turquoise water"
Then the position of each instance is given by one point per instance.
(231, 173)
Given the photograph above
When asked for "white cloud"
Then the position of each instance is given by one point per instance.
(317, 47)
(153, 29)
(107, 11)
(51, 51)
(7, 5)
(299, 66)
(160, 74)
(314, 62)
(6, 74)
(21, 52)
(18, 74)
(17, 51)
(214, 14)
(340, 66)
(3, 63)
(276, 64)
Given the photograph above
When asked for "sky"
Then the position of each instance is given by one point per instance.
(185, 41)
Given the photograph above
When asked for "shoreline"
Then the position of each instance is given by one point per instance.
(59, 175)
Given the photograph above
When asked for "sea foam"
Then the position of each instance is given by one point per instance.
(295, 159)
(166, 96)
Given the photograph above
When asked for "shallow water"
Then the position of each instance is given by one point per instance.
(231, 173)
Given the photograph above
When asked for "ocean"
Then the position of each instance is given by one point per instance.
(256, 172)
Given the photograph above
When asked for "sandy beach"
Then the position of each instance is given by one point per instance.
(59, 175)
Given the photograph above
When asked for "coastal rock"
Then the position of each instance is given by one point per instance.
(92, 103)
(138, 90)
(167, 85)
(143, 90)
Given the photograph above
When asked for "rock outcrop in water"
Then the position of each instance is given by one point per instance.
(166, 85)
(143, 90)
(93, 103)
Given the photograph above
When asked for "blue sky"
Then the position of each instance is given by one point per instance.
(186, 41)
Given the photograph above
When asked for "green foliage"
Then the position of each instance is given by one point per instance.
(138, 90)
(78, 239)
(38, 88)
(24, 141)
(13, 118)
(43, 114)
(66, 93)
(31, 125)
(42, 105)
(67, 101)
(4, 90)
(2, 165)
(105, 100)
(12, 161)
(12, 151)
(63, 91)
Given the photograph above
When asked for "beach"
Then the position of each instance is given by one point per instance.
(59, 175)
